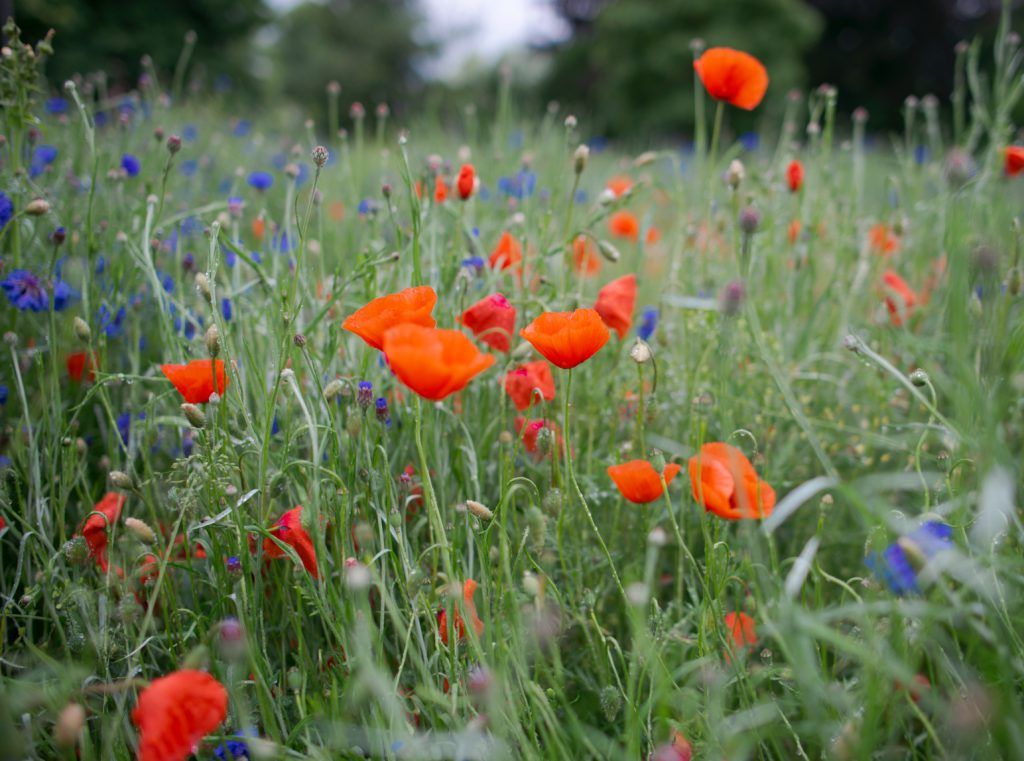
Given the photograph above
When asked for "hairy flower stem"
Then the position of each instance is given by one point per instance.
(433, 510)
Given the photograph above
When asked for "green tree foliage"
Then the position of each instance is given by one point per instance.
(370, 47)
(629, 65)
(113, 35)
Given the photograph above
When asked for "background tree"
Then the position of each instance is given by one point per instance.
(113, 35)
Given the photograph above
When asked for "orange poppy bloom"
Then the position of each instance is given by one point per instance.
(794, 231)
(78, 363)
(733, 76)
(290, 531)
(469, 587)
(567, 339)
(440, 190)
(1014, 157)
(466, 181)
(492, 320)
(521, 381)
(584, 256)
(508, 253)
(372, 321)
(900, 299)
(639, 482)
(195, 381)
(742, 628)
(725, 482)
(653, 236)
(624, 224)
(620, 185)
(529, 432)
(434, 363)
(795, 176)
(615, 304)
(175, 712)
(105, 513)
(259, 227)
(883, 240)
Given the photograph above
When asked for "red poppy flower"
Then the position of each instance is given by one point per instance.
(259, 227)
(794, 231)
(733, 76)
(725, 482)
(1014, 157)
(440, 190)
(615, 304)
(105, 513)
(620, 185)
(567, 339)
(508, 253)
(624, 224)
(521, 381)
(434, 363)
(883, 240)
(195, 381)
(469, 587)
(3, 523)
(492, 320)
(529, 432)
(639, 482)
(795, 176)
(290, 531)
(584, 256)
(175, 712)
(653, 236)
(466, 181)
(900, 299)
(741, 626)
(372, 321)
(78, 363)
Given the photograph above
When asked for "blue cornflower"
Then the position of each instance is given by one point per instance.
(921, 154)
(275, 426)
(189, 167)
(24, 291)
(56, 106)
(42, 157)
(234, 749)
(365, 207)
(281, 243)
(261, 180)
(222, 83)
(131, 165)
(648, 323)
(474, 263)
(187, 445)
(6, 210)
(750, 141)
(520, 185)
(190, 133)
(124, 426)
(899, 563)
(581, 197)
(4, 393)
(112, 325)
(101, 265)
(225, 309)
(365, 394)
(242, 128)
(62, 295)
(382, 409)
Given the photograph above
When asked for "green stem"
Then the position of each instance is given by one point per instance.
(433, 511)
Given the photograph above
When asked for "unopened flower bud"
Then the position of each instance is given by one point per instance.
(657, 537)
(203, 286)
(140, 530)
(120, 480)
(37, 207)
(640, 352)
(919, 378)
(357, 577)
(645, 158)
(730, 300)
(580, 157)
(299, 340)
(608, 251)
(333, 389)
(750, 220)
(195, 416)
(735, 174)
(480, 511)
(570, 122)
(82, 330)
(69, 725)
(320, 156)
(212, 340)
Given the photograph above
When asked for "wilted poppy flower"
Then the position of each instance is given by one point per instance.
(492, 320)
(469, 587)
(899, 564)
(434, 363)
(440, 190)
(900, 298)
(175, 712)
(733, 76)
(508, 253)
(741, 626)
(530, 433)
(195, 381)
(795, 176)
(466, 181)
(883, 240)
(567, 339)
(521, 381)
(1014, 158)
(413, 305)
(615, 304)
(584, 256)
(639, 482)
(619, 185)
(105, 513)
(725, 482)
(290, 531)
(77, 364)
(624, 224)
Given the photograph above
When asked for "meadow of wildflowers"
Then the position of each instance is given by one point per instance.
(405, 442)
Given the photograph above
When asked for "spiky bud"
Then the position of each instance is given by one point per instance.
(320, 156)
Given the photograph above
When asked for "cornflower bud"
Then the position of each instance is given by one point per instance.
(750, 220)
(320, 156)
(730, 300)
(173, 144)
(364, 397)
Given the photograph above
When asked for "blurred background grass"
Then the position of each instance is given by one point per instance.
(624, 65)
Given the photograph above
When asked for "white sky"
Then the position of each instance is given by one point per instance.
(484, 29)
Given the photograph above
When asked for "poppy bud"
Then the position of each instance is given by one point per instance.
(333, 389)
(466, 181)
(735, 174)
(545, 440)
(480, 511)
(570, 122)
(657, 537)
(320, 156)
(82, 330)
(640, 352)
(919, 378)
(195, 416)
(37, 207)
(69, 725)
(357, 576)
(608, 251)
(120, 480)
(140, 530)
(213, 340)
(580, 157)
(203, 286)
(638, 594)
